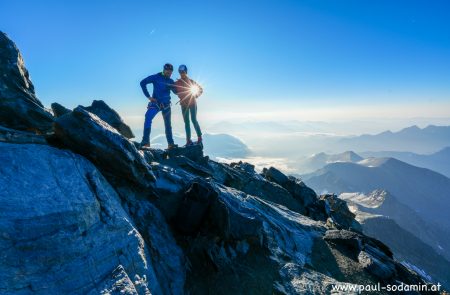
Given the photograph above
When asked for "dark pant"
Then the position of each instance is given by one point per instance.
(185, 110)
(152, 111)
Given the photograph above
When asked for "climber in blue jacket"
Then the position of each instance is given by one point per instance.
(159, 101)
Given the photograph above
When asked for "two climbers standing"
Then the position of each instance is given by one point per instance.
(186, 89)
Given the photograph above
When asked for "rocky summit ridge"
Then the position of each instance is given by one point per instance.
(84, 211)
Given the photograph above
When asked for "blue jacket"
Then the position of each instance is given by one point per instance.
(161, 87)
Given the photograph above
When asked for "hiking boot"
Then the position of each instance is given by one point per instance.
(172, 146)
(189, 143)
(200, 140)
(145, 146)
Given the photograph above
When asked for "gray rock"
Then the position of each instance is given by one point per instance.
(250, 168)
(377, 264)
(158, 155)
(254, 184)
(338, 211)
(119, 283)
(16, 136)
(166, 255)
(62, 226)
(305, 281)
(19, 107)
(93, 138)
(110, 116)
(356, 241)
(245, 243)
(193, 152)
(299, 191)
(189, 158)
(59, 110)
(248, 243)
(348, 239)
(275, 175)
(148, 156)
(372, 255)
(192, 166)
(264, 248)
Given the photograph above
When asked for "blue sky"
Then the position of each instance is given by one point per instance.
(267, 59)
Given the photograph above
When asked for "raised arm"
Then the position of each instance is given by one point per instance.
(145, 82)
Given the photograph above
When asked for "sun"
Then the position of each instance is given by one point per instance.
(194, 90)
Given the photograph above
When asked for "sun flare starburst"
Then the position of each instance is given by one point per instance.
(194, 90)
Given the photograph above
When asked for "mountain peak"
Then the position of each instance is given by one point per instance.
(411, 128)
(379, 162)
(350, 156)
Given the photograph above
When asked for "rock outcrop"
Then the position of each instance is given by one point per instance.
(314, 207)
(339, 213)
(243, 177)
(86, 212)
(107, 114)
(19, 107)
(63, 228)
(90, 136)
(16, 136)
(59, 110)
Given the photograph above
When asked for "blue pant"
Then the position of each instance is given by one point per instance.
(152, 111)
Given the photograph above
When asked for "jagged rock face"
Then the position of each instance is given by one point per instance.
(299, 191)
(101, 110)
(372, 254)
(63, 228)
(59, 110)
(254, 184)
(93, 138)
(189, 158)
(272, 185)
(19, 107)
(339, 213)
(246, 245)
(15, 136)
(166, 256)
(193, 152)
(110, 116)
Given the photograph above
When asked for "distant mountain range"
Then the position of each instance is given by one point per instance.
(411, 139)
(425, 191)
(297, 140)
(317, 161)
(439, 161)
